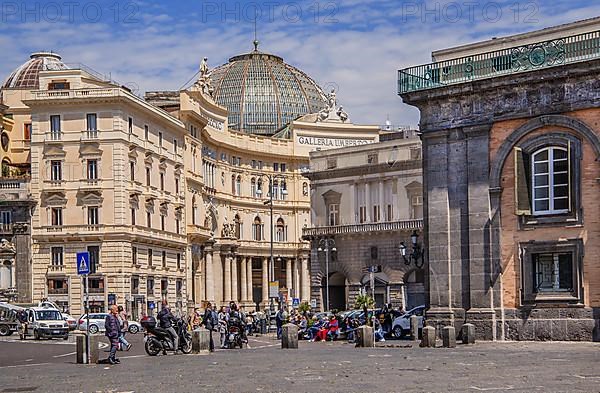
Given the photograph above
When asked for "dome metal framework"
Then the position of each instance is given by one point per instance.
(263, 94)
(27, 75)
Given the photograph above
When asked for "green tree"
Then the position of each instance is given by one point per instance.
(363, 301)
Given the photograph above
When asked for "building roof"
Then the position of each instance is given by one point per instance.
(263, 94)
(26, 76)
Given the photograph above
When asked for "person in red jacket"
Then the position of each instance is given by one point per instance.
(334, 327)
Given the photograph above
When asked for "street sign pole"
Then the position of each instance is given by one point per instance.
(372, 279)
(87, 314)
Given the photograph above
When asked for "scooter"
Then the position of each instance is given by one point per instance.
(157, 340)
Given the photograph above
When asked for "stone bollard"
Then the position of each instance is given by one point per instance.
(289, 336)
(448, 337)
(428, 340)
(468, 333)
(200, 341)
(414, 327)
(365, 337)
(94, 348)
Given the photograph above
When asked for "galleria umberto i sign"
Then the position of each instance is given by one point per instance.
(331, 142)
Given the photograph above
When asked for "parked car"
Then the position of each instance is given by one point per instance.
(9, 321)
(96, 322)
(134, 327)
(43, 322)
(401, 325)
(72, 322)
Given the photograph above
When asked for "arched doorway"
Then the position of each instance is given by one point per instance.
(382, 288)
(414, 289)
(338, 292)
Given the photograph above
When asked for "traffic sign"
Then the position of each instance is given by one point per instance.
(374, 269)
(83, 263)
(295, 302)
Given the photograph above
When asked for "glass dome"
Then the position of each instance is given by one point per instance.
(27, 75)
(263, 94)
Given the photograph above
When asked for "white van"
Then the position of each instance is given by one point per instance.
(43, 322)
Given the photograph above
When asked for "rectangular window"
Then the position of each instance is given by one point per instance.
(333, 214)
(134, 259)
(56, 170)
(178, 261)
(175, 146)
(55, 126)
(27, 131)
(133, 214)
(132, 170)
(164, 259)
(260, 165)
(57, 256)
(150, 256)
(194, 131)
(179, 288)
(176, 186)
(150, 287)
(92, 122)
(149, 219)
(130, 125)
(162, 222)
(376, 213)
(390, 213)
(282, 166)
(94, 252)
(148, 175)
(550, 174)
(135, 285)
(93, 218)
(177, 224)
(553, 272)
(162, 181)
(57, 218)
(275, 167)
(92, 169)
(5, 217)
(160, 139)
(253, 165)
(59, 85)
(362, 214)
(416, 207)
(146, 133)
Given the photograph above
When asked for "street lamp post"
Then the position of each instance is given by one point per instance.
(272, 178)
(327, 245)
(417, 254)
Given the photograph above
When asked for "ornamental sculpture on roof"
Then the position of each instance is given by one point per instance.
(203, 82)
(332, 112)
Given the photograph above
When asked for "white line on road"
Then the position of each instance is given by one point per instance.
(66, 354)
(25, 365)
(509, 387)
(586, 376)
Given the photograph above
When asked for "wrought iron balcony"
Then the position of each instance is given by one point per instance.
(406, 225)
(518, 59)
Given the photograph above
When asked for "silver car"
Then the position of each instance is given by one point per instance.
(96, 322)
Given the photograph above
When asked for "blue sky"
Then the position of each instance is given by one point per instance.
(355, 45)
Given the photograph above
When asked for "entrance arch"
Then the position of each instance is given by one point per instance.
(338, 291)
(382, 288)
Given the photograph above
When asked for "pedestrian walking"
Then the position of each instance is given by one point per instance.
(112, 332)
(123, 326)
(222, 318)
(209, 323)
(279, 319)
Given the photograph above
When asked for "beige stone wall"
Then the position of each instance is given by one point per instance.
(589, 232)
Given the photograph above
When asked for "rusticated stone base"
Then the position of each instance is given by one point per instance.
(544, 324)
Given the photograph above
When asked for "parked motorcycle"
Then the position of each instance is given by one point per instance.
(158, 340)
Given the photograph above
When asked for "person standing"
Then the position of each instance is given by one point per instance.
(195, 320)
(209, 324)
(222, 318)
(279, 318)
(165, 317)
(112, 332)
(123, 325)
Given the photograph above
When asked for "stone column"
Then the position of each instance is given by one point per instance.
(243, 281)
(381, 201)
(234, 277)
(288, 278)
(13, 273)
(305, 295)
(296, 276)
(210, 285)
(353, 197)
(265, 281)
(368, 206)
(227, 279)
(249, 279)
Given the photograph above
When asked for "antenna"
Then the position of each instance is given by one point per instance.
(255, 34)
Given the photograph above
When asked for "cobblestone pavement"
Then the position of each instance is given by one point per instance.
(318, 367)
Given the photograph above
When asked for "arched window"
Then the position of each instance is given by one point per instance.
(280, 231)
(253, 187)
(305, 189)
(257, 229)
(259, 192)
(233, 189)
(238, 185)
(550, 174)
(238, 226)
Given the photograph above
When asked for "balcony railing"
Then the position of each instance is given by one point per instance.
(406, 225)
(96, 290)
(6, 228)
(89, 135)
(518, 59)
(56, 268)
(58, 291)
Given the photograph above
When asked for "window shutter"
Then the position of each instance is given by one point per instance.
(522, 201)
(570, 182)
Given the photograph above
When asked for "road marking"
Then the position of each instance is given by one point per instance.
(132, 356)
(66, 354)
(586, 376)
(509, 387)
(25, 365)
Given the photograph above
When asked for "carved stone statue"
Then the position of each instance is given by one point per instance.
(228, 230)
(342, 114)
(329, 112)
(203, 83)
(6, 246)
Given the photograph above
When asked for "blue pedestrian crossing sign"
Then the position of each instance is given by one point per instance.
(83, 262)
(295, 302)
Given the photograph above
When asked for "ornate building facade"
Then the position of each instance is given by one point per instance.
(168, 199)
(510, 147)
(365, 201)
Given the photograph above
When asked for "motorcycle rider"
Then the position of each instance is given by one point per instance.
(237, 317)
(165, 318)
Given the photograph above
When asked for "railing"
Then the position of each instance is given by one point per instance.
(54, 136)
(96, 290)
(89, 135)
(14, 183)
(361, 228)
(58, 291)
(551, 53)
(6, 228)
(78, 93)
(56, 268)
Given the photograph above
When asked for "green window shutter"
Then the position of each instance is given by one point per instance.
(569, 173)
(522, 199)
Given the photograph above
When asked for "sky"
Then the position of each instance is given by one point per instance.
(355, 46)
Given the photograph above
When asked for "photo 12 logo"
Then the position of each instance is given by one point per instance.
(293, 12)
(469, 11)
(69, 11)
